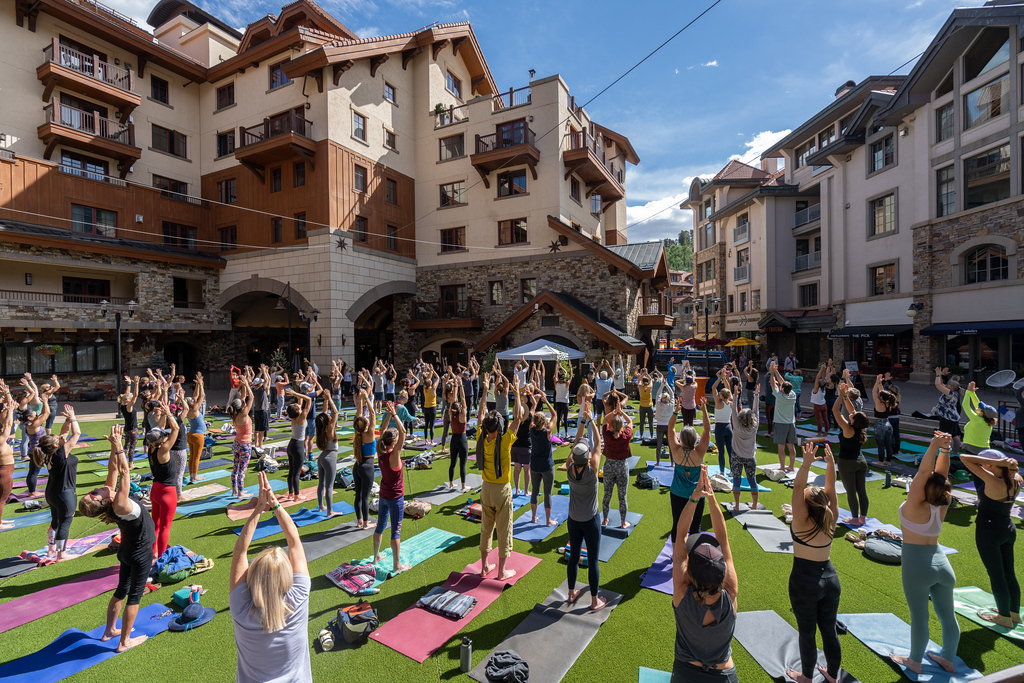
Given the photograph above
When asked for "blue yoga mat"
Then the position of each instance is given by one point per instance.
(29, 519)
(654, 676)
(525, 530)
(744, 484)
(613, 536)
(663, 472)
(209, 476)
(887, 634)
(21, 466)
(214, 462)
(304, 517)
(106, 461)
(222, 500)
(75, 651)
(873, 524)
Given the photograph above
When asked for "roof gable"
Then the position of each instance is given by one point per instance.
(655, 265)
(300, 13)
(737, 170)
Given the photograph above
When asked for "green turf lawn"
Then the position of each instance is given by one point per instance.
(640, 632)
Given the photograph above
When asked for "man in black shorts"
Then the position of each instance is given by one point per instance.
(110, 503)
(261, 389)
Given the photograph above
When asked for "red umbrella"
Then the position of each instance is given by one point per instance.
(715, 341)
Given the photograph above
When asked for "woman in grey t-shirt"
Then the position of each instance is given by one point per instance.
(584, 521)
(269, 602)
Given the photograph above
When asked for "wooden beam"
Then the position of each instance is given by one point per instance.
(48, 87)
(123, 168)
(126, 113)
(438, 46)
(256, 169)
(306, 155)
(483, 176)
(318, 76)
(340, 68)
(533, 167)
(475, 83)
(570, 167)
(143, 60)
(50, 146)
(409, 55)
(32, 12)
(457, 43)
(375, 63)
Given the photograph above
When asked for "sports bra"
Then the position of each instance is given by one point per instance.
(801, 541)
(931, 529)
(243, 433)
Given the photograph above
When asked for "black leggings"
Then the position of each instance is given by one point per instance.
(460, 451)
(537, 478)
(678, 504)
(363, 476)
(296, 456)
(62, 509)
(995, 537)
(32, 477)
(561, 417)
(131, 580)
(853, 474)
(646, 415)
(814, 593)
(591, 532)
(429, 416)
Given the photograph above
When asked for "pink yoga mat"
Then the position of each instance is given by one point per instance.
(23, 610)
(245, 510)
(417, 633)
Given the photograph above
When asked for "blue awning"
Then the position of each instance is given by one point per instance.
(988, 327)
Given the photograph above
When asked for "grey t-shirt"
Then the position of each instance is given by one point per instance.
(785, 408)
(278, 657)
(744, 441)
(260, 399)
(582, 494)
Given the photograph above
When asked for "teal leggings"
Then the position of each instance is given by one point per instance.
(927, 573)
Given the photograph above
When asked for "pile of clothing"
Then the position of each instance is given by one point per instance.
(421, 461)
(472, 512)
(449, 603)
(354, 579)
(177, 563)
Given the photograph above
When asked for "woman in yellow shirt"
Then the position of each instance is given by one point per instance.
(430, 382)
(646, 402)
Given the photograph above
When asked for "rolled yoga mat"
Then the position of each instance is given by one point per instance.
(887, 634)
(417, 632)
(659, 576)
(551, 652)
(442, 494)
(75, 651)
(773, 644)
(768, 530)
(613, 535)
(873, 524)
(525, 530)
(968, 600)
(326, 542)
(42, 603)
(197, 507)
(304, 517)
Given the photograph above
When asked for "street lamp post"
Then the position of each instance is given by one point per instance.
(117, 326)
(310, 317)
(707, 303)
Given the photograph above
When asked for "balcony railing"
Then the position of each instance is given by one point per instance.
(576, 109)
(741, 233)
(584, 140)
(653, 306)
(504, 138)
(89, 122)
(89, 65)
(811, 213)
(90, 175)
(741, 274)
(275, 126)
(100, 8)
(513, 98)
(807, 261)
(187, 199)
(462, 309)
(451, 116)
(189, 304)
(13, 296)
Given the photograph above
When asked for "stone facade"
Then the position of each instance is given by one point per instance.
(715, 287)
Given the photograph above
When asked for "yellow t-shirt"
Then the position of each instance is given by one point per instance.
(506, 458)
(429, 397)
(645, 396)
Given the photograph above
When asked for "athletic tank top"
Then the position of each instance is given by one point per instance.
(197, 425)
(458, 426)
(243, 433)
(162, 472)
(429, 397)
(849, 448)
(392, 486)
(695, 642)
(991, 508)
(131, 418)
(299, 431)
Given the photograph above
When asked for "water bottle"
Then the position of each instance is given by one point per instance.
(466, 655)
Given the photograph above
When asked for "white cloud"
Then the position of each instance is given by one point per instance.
(758, 144)
(367, 32)
(662, 218)
(677, 70)
(713, 62)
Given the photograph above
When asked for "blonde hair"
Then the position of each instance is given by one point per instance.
(269, 579)
(725, 394)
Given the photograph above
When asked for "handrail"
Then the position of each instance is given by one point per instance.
(272, 127)
(190, 304)
(89, 122)
(584, 140)
(741, 233)
(90, 175)
(811, 213)
(741, 273)
(501, 139)
(451, 116)
(515, 97)
(461, 309)
(807, 261)
(56, 297)
(101, 8)
(89, 65)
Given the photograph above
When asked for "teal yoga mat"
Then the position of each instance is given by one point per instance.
(303, 517)
(419, 548)
(29, 519)
(744, 484)
(654, 676)
(222, 500)
(968, 600)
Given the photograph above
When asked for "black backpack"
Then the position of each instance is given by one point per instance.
(645, 481)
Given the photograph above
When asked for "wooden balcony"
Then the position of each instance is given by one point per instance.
(285, 136)
(504, 148)
(653, 315)
(429, 315)
(87, 75)
(90, 132)
(585, 157)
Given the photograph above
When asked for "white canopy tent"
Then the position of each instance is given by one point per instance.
(541, 349)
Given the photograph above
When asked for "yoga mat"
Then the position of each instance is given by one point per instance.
(887, 634)
(969, 486)
(106, 461)
(551, 652)
(75, 651)
(42, 603)
(219, 501)
(304, 517)
(525, 530)
(209, 476)
(613, 536)
(419, 548)
(768, 530)
(632, 462)
(82, 546)
(772, 642)
(213, 462)
(28, 519)
(202, 491)
(326, 542)
(40, 484)
(744, 484)
(967, 600)
(744, 507)
(12, 566)
(21, 498)
(417, 633)
(654, 676)
(442, 494)
(902, 457)
(244, 511)
(873, 524)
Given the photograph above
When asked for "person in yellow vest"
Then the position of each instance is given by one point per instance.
(646, 390)
(430, 381)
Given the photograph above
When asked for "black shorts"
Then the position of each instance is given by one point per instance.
(951, 427)
(598, 406)
(131, 581)
(261, 421)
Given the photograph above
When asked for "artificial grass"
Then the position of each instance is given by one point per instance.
(640, 632)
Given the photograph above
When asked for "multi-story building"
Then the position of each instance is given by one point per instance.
(680, 293)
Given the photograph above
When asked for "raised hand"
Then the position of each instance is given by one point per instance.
(943, 440)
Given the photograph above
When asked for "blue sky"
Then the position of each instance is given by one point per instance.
(740, 78)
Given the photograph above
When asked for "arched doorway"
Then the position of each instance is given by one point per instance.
(374, 332)
(184, 356)
(454, 353)
(263, 321)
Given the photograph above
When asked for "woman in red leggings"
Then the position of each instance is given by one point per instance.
(163, 494)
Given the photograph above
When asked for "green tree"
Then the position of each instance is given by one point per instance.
(680, 253)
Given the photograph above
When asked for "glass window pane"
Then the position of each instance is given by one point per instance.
(64, 360)
(86, 357)
(987, 177)
(40, 363)
(105, 357)
(987, 102)
(17, 360)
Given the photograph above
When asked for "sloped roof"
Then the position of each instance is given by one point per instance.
(299, 13)
(737, 170)
(629, 154)
(643, 254)
(166, 9)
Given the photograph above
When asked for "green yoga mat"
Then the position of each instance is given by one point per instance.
(969, 599)
(420, 547)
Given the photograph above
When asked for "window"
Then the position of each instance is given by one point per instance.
(743, 302)
(454, 301)
(826, 137)
(159, 90)
(883, 279)
(574, 189)
(83, 166)
(990, 50)
(225, 143)
(709, 270)
(708, 235)
(452, 147)
(987, 102)
(88, 220)
(299, 174)
(169, 141)
(277, 76)
(987, 263)
(226, 191)
(730, 302)
(180, 236)
(453, 194)
(883, 153)
(987, 177)
(300, 225)
(743, 257)
(809, 295)
(170, 187)
(883, 214)
(453, 85)
(390, 139)
(803, 151)
(946, 86)
(496, 293)
(360, 178)
(453, 239)
(755, 300)
(527, 289)
(945, 191)
(225, 96)
(392, 243)
(389, 92)
(359, 229)
(512, 183)
(83, 290)
(595, 205)
(512, 232)
(944, 122)
(391, 191)
(275, 179)
(358, 126)
(228, 238)
(276, 230)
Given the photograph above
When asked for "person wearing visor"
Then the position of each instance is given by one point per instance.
(981, 418)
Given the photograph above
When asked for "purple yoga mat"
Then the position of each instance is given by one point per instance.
(659, 576)
(19, 497)
(23, 610)
(41, 482)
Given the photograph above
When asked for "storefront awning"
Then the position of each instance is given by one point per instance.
(869, 331)
(987, 327)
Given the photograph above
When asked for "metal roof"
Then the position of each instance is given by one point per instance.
(644, 255)
(598, 319)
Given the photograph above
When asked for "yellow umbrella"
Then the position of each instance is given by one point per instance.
(743, 341)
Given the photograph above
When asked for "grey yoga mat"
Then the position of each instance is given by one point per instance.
(442, 494)
(326, 542)
(772, 642)
(551, 652)
(768, 530)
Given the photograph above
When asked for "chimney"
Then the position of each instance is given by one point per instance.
(770, 165)
(845, 88)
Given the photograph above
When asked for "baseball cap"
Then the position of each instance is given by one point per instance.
(581, 453)
(705, 561)
(155, 434)
(987, 410)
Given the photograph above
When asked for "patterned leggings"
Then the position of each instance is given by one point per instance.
(616, 474)
(131, 438)
(241, 452)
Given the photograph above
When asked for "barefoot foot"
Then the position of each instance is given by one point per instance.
(907, 662)
(399, 568)
(506, 575)
(597, 603)
(824, 672)
(604, 522)
(131, 642)
(796, 676)
(486, 569)
(574, 595)
(625, 525)
(997, 619)
(110, 633)
(943, 662)
(552, 522)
